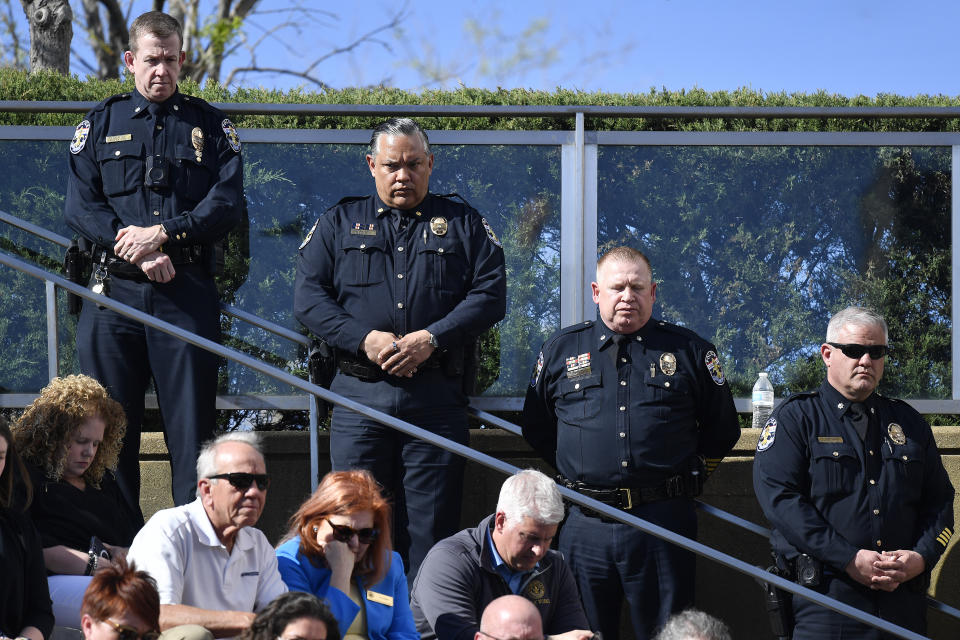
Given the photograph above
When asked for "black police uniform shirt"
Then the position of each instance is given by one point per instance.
(200, 201)
(357, 273)
(828, 493)
(612, 423)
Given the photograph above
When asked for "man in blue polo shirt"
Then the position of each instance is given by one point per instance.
(509, 553)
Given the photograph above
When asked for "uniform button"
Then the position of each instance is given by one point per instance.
(873, 482)
(835, 454)
(576, 386)
(137, 110)
(159, 127)
(623, 408)
(666, 384)
(623, 359)
(400, 275)
(876, 512)
(176, 107)
(399, 305)
(399, 248)
(363, 246)
(879, 543)
(623, 383)
(380, 210)
(623, 435)
(440, 250)
(904, 458)
(116, 153)
(639, 339)
(623, 463)
(603, 337)
(871, 452)
(839, 405)
(156, 212)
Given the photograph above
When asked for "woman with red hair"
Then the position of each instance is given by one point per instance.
(338, 548)
(121, 603)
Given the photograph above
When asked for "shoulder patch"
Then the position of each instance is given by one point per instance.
(768, 435)
(535, 378)
(309, 235)
(490, 233)
(714, 367)
(233, 138)
(80, 137)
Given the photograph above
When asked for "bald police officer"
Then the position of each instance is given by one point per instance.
(401, 283)
(634, 412)
(853, 484)
(156, 180)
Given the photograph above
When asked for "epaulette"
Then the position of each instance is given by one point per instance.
(108, 101)
(574, 328)
(683, 331)
(348, 200)
(798, 395)
(454, 195)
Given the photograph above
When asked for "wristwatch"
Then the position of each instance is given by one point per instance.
(433, 341)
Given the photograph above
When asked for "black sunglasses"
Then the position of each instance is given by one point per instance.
(129, 633)
(856, 351)
(242, 481)
(343, 533)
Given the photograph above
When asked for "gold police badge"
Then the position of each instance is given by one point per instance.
(536, 590)
(896, 434)
(438, 226)
(668, 363)
(196, 137)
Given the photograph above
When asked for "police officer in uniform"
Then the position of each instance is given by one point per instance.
(155, 181)
(634, 412)
(854, 487)
(400, 284)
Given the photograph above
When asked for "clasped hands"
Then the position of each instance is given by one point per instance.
(141, 246)
(395, 355)
(886, 570)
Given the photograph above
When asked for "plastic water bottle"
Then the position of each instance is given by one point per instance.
(762, 400)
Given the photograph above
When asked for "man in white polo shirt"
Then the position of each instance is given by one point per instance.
(212, 567)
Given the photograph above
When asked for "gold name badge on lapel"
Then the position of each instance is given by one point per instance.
(379, 598)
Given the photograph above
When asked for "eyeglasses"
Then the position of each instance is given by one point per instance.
(484, 633)
(242, 481)
(343, 533)
(856, 351)
(129, 633)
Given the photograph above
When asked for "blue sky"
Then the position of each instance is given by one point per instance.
(849, 47)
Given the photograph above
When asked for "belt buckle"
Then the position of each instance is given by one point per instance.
(629, 505)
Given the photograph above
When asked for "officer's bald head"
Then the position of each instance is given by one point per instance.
(510, 618)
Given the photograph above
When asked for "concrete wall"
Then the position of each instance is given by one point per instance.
(720, 591)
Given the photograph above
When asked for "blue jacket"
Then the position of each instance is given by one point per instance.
(384, 621)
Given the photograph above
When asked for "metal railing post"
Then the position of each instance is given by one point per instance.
(53, 338)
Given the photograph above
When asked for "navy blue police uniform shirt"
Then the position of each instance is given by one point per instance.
(357, 273)
(812, 478)
(634, 423)
(108, 163)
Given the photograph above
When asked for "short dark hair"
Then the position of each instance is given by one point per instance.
(397, 127)
(120, 588)
(13, 470)
(157, 23)
(293, 605)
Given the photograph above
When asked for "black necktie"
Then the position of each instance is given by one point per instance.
(400, 219)
(622, 343)
(858, 416)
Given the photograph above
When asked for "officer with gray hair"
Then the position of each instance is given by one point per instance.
(692, 624)
(509, 553)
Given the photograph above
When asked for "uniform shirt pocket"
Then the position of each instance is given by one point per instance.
(193, 178)
(905, 461)
(580, 399)
(121, 167)
(835, 468)
(444, 265)
(363, 260)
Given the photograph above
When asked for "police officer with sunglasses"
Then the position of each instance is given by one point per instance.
(853, 484)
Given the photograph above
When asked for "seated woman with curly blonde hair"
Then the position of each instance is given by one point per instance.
(338, 548)
(70, 438)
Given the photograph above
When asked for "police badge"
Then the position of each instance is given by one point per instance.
(668, 363)
(896, 433)
(438, 226)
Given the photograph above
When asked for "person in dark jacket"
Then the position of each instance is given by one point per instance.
(854, 487)
(509, 553)
(25, 609)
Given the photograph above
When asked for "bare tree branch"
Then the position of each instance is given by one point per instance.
(288, 72)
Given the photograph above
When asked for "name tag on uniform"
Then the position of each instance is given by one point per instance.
(379, 598)
(121, 138)
(830, 439)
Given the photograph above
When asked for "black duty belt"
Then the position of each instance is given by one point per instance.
(179, 255)
(626, 498)
(367, 371)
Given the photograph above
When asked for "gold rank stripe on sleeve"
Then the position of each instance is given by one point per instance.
(945, 536)
(711, 464)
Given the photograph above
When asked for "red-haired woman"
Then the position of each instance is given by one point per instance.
(338, 548)
(121, 603)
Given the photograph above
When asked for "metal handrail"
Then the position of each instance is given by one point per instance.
(524, 111)
(457, 448)
(479, 414)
